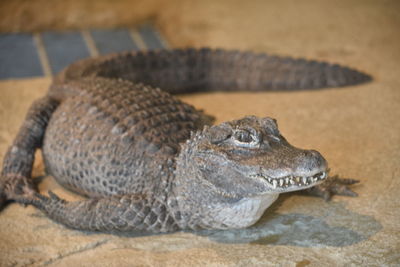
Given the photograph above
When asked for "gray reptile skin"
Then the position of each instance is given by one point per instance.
(148, 162)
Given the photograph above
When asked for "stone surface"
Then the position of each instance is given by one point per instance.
(28, 16)
(357, 129)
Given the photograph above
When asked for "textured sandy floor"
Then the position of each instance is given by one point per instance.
(356, 128)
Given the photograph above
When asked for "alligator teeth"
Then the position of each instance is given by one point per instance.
(290, 180)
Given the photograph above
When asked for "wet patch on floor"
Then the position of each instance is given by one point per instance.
(336, 226)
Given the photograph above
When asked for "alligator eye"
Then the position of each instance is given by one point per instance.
(245, 138)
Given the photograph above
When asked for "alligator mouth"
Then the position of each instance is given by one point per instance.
(293, 181)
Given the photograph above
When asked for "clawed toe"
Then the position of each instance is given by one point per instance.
(334, 186)
(343, 190)
(54, 197)
(349, 181)
(16, 188)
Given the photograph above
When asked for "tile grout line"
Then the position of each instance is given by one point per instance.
(90, 43)
(137, 39)
(44, 59)
(162, 40)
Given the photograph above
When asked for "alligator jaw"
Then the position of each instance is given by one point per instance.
(291, 182)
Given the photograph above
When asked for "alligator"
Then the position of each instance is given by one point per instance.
(145, 161)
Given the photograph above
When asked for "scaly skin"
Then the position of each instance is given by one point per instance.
(148, 162)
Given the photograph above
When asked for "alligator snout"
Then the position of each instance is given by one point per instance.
(309, 162)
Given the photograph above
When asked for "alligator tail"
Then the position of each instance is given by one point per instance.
(194, 70)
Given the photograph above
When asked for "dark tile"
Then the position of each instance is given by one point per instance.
(150, 37)
(18, 56)
(63, 48)
(109, 41)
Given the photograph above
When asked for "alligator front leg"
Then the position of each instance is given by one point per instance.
(333, 186)
(125, 213)
(15, 177)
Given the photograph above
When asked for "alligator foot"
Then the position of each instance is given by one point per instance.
(15, 188)
(333, 186)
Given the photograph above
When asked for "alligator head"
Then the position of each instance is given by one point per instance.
(244, 159)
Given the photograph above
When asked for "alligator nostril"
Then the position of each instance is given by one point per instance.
(310, 161)
(314, 152)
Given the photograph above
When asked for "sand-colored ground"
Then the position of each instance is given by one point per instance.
(356, 128)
